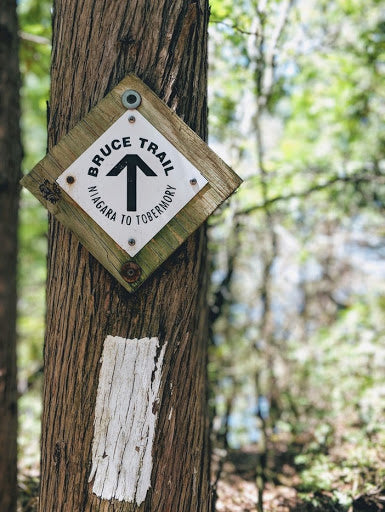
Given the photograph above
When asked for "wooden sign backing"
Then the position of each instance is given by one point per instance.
(131, 272)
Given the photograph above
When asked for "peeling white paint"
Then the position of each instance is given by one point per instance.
(170, 414)
(125, 422)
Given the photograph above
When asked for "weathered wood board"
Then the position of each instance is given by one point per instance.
(131, 271)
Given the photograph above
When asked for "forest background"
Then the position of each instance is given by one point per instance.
(297, 296)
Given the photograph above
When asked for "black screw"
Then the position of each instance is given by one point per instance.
(193, 181)
(70, 180)
(131, 119)
(131, 241)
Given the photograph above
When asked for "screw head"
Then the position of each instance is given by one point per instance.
(70, 180)
(131, 119)
(193, 181)
(130, 271)
(131, 241)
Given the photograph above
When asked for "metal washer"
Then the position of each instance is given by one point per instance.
(131, 99)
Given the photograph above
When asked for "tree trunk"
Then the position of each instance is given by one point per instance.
(158, 386)
(10, 163)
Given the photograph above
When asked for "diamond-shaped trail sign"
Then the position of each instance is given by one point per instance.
(132, 181)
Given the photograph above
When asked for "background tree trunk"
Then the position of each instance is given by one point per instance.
(10, 163)
(95, 44)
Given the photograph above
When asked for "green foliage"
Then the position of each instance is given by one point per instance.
(301, 321)
(35, 26)
(34, 20)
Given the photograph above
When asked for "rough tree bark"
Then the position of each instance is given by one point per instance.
(95, 44)
(10, 164)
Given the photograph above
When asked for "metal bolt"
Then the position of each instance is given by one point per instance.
(70, 180)
(193, 181)
(131, 241)
(131, 119)
(130, 271)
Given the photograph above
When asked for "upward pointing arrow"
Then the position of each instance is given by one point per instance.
(131, 162)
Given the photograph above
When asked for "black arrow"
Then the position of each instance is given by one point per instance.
(132, 162)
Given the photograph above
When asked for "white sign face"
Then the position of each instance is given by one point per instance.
(131, 181)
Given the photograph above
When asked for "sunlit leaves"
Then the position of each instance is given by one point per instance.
(35, 50)
(323, 145)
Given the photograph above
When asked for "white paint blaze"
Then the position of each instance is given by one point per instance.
(124, 419)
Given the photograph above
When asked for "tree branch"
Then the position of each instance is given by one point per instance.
(234, 27)
(272, 54)
(222, 293)
(315, 188)
(32, 38)
(279, 30)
